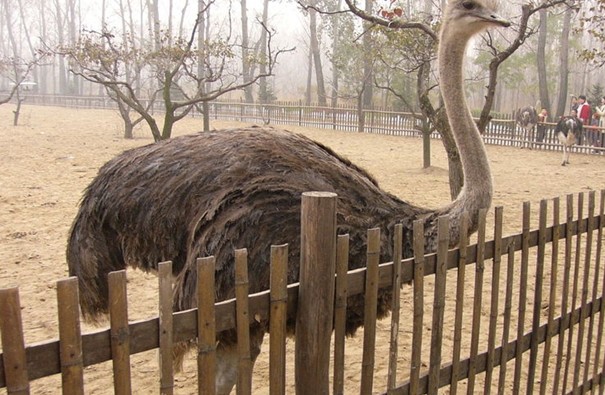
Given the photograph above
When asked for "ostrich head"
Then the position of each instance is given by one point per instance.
(469, 17)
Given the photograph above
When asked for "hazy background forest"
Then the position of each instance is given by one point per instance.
(188, 53)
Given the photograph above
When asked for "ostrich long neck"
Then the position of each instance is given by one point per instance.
(477, 191)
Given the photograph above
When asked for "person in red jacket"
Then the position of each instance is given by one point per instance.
(584, 111)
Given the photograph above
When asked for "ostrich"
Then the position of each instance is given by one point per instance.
(209, 193)
(568, 130)
(527, 118)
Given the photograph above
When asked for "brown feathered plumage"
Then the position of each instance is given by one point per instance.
(210, 193)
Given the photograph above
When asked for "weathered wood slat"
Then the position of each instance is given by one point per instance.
(70, 337)
(166, 328)
(340, 313)
(599, 341)
(510, 272)
(206, 328)
(13, 344)
(443, 242)
(370, 311)
(477, 301)
(586, 313)
(537, 312)
(522, 295)
(491, 339)
(552, 299)
(278, 318)
(574, 301)
(418, 314)
(460, 287)
(120, 332)
(316, 292)
(396, 291)
(560, 372)
(244, 363)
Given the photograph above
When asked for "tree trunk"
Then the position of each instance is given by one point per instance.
(201, 71)
(368, 61)
(361, 115)
(335, 43)
(314, 45)
(263, 90)
(422, 80)
(184, 14)
(564, 65)
(541, 60)
(43, 83)
(74, 85)
(309, 78)
(25, 28)
(170, 9)
(155, 22)
(17, 111)
(245, 53)
(124, 111)
(61, 41)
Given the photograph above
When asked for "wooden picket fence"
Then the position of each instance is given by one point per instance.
(533, 323)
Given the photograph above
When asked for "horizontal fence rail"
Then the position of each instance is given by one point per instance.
(536, 314)
(500, 131)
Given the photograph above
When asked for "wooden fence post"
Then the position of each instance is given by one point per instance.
(13, 343)
(316, 292)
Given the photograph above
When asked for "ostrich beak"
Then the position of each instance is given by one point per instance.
(496, 19)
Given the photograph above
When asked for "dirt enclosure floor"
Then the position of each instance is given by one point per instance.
(54, 153)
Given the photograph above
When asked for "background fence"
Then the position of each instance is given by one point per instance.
(502, 131)
(515, 314)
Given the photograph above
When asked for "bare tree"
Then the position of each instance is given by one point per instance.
(16, 70)
(99, 57)
(13, 67)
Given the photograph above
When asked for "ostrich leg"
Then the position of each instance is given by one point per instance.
(227, 361)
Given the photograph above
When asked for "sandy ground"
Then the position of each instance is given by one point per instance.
(54, 153)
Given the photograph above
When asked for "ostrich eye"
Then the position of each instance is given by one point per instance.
(469, 5)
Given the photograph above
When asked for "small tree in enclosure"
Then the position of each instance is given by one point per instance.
(172, 66)
(16, 70)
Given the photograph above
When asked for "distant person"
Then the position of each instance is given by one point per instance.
(584, 113)
(540, 127)
(574, 114)
(594, 135)
(574, 103)
(584, 110)
(600, 112)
